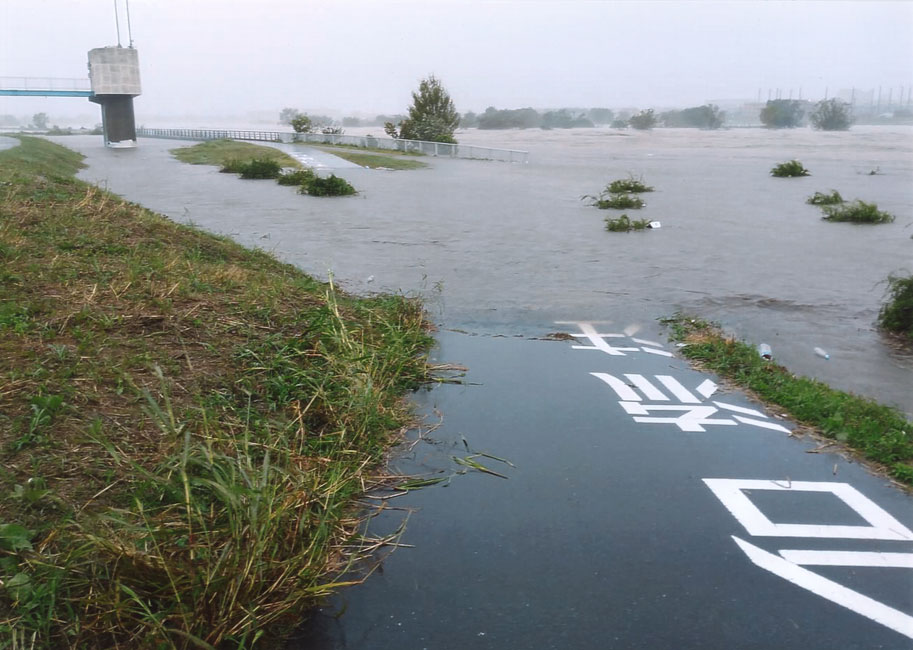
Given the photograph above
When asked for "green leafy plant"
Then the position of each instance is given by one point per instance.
(896, 314)
(782, 114)
(628, 185)
(297, 177)
(330, 186)
(232, 167)
(856, 212)
(789, 169)
(625, 224)
(819, 198)
(618, 202)
(261, 168)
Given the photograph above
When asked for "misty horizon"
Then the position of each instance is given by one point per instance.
(359, 58)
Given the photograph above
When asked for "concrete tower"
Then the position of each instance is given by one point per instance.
(114, 73)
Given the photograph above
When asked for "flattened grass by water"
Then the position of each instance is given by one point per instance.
(185, 422)
(880, 433)
(789, 169)
(857, 212)
(224, 152)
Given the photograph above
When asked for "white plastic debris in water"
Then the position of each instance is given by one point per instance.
(655, 225)
(821, 353)
(764, 351)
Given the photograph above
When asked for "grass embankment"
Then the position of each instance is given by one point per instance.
(882, 434)
(184, 423)
(224, 152)
(378, 161)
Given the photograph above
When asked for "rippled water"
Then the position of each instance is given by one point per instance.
(511, 247)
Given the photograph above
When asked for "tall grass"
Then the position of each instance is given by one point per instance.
(187, 423)
(896, 313)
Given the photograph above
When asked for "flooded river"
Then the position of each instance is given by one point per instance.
(510, 248)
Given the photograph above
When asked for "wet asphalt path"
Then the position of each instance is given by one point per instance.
(610, 532)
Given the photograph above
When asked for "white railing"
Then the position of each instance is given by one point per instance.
(360, 141)
(44, 83)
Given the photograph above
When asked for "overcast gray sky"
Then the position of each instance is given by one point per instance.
(233, 56)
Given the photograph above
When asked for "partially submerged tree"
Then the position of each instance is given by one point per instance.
(432, 116)
(782, 114)
(831, 115)
(40, 120)
(302, 124)
(643, 120)
(708, 116)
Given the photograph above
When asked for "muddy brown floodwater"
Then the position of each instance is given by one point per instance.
(510, 248)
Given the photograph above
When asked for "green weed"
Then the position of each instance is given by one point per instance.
(789, 169)
(330, 186)
(628, 185)
(896, 314)
(856, 212)
(820, 198)
(880, 433)
(624, 224)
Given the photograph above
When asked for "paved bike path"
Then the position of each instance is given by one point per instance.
(646, 507)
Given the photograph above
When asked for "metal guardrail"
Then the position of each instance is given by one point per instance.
(361, 141)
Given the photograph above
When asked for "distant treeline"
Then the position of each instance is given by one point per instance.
(700, 117)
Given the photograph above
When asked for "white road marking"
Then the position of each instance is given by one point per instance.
(683, 394)
(881, 524)
(624, 391)
(740, 409)
(707, 388)
(647, 388)
(828, 589)
(761, 423)
(849, 558)
(691, 420)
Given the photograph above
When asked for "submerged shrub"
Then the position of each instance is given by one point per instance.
(789, 169)
(297, 177)
(261, 168)
(232, 167)
(628, 185)
(331, 186)
(856, 212)
(624, 224)
(897, 313)
(820, 198)
(619, 202)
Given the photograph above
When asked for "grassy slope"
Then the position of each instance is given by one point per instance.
(183, 422)
(219, 152)
(882, 434)
(376, 161)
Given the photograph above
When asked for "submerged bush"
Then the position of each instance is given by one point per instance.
(233, 167)
(789, 169)
(856, 212)
(624, 224)
(331, 186)
(628, 185)
(261, 168)
(297, 177)
(820, 198)
(619, 202)
(897, 313)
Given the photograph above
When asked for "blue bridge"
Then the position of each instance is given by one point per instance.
(45, 87)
